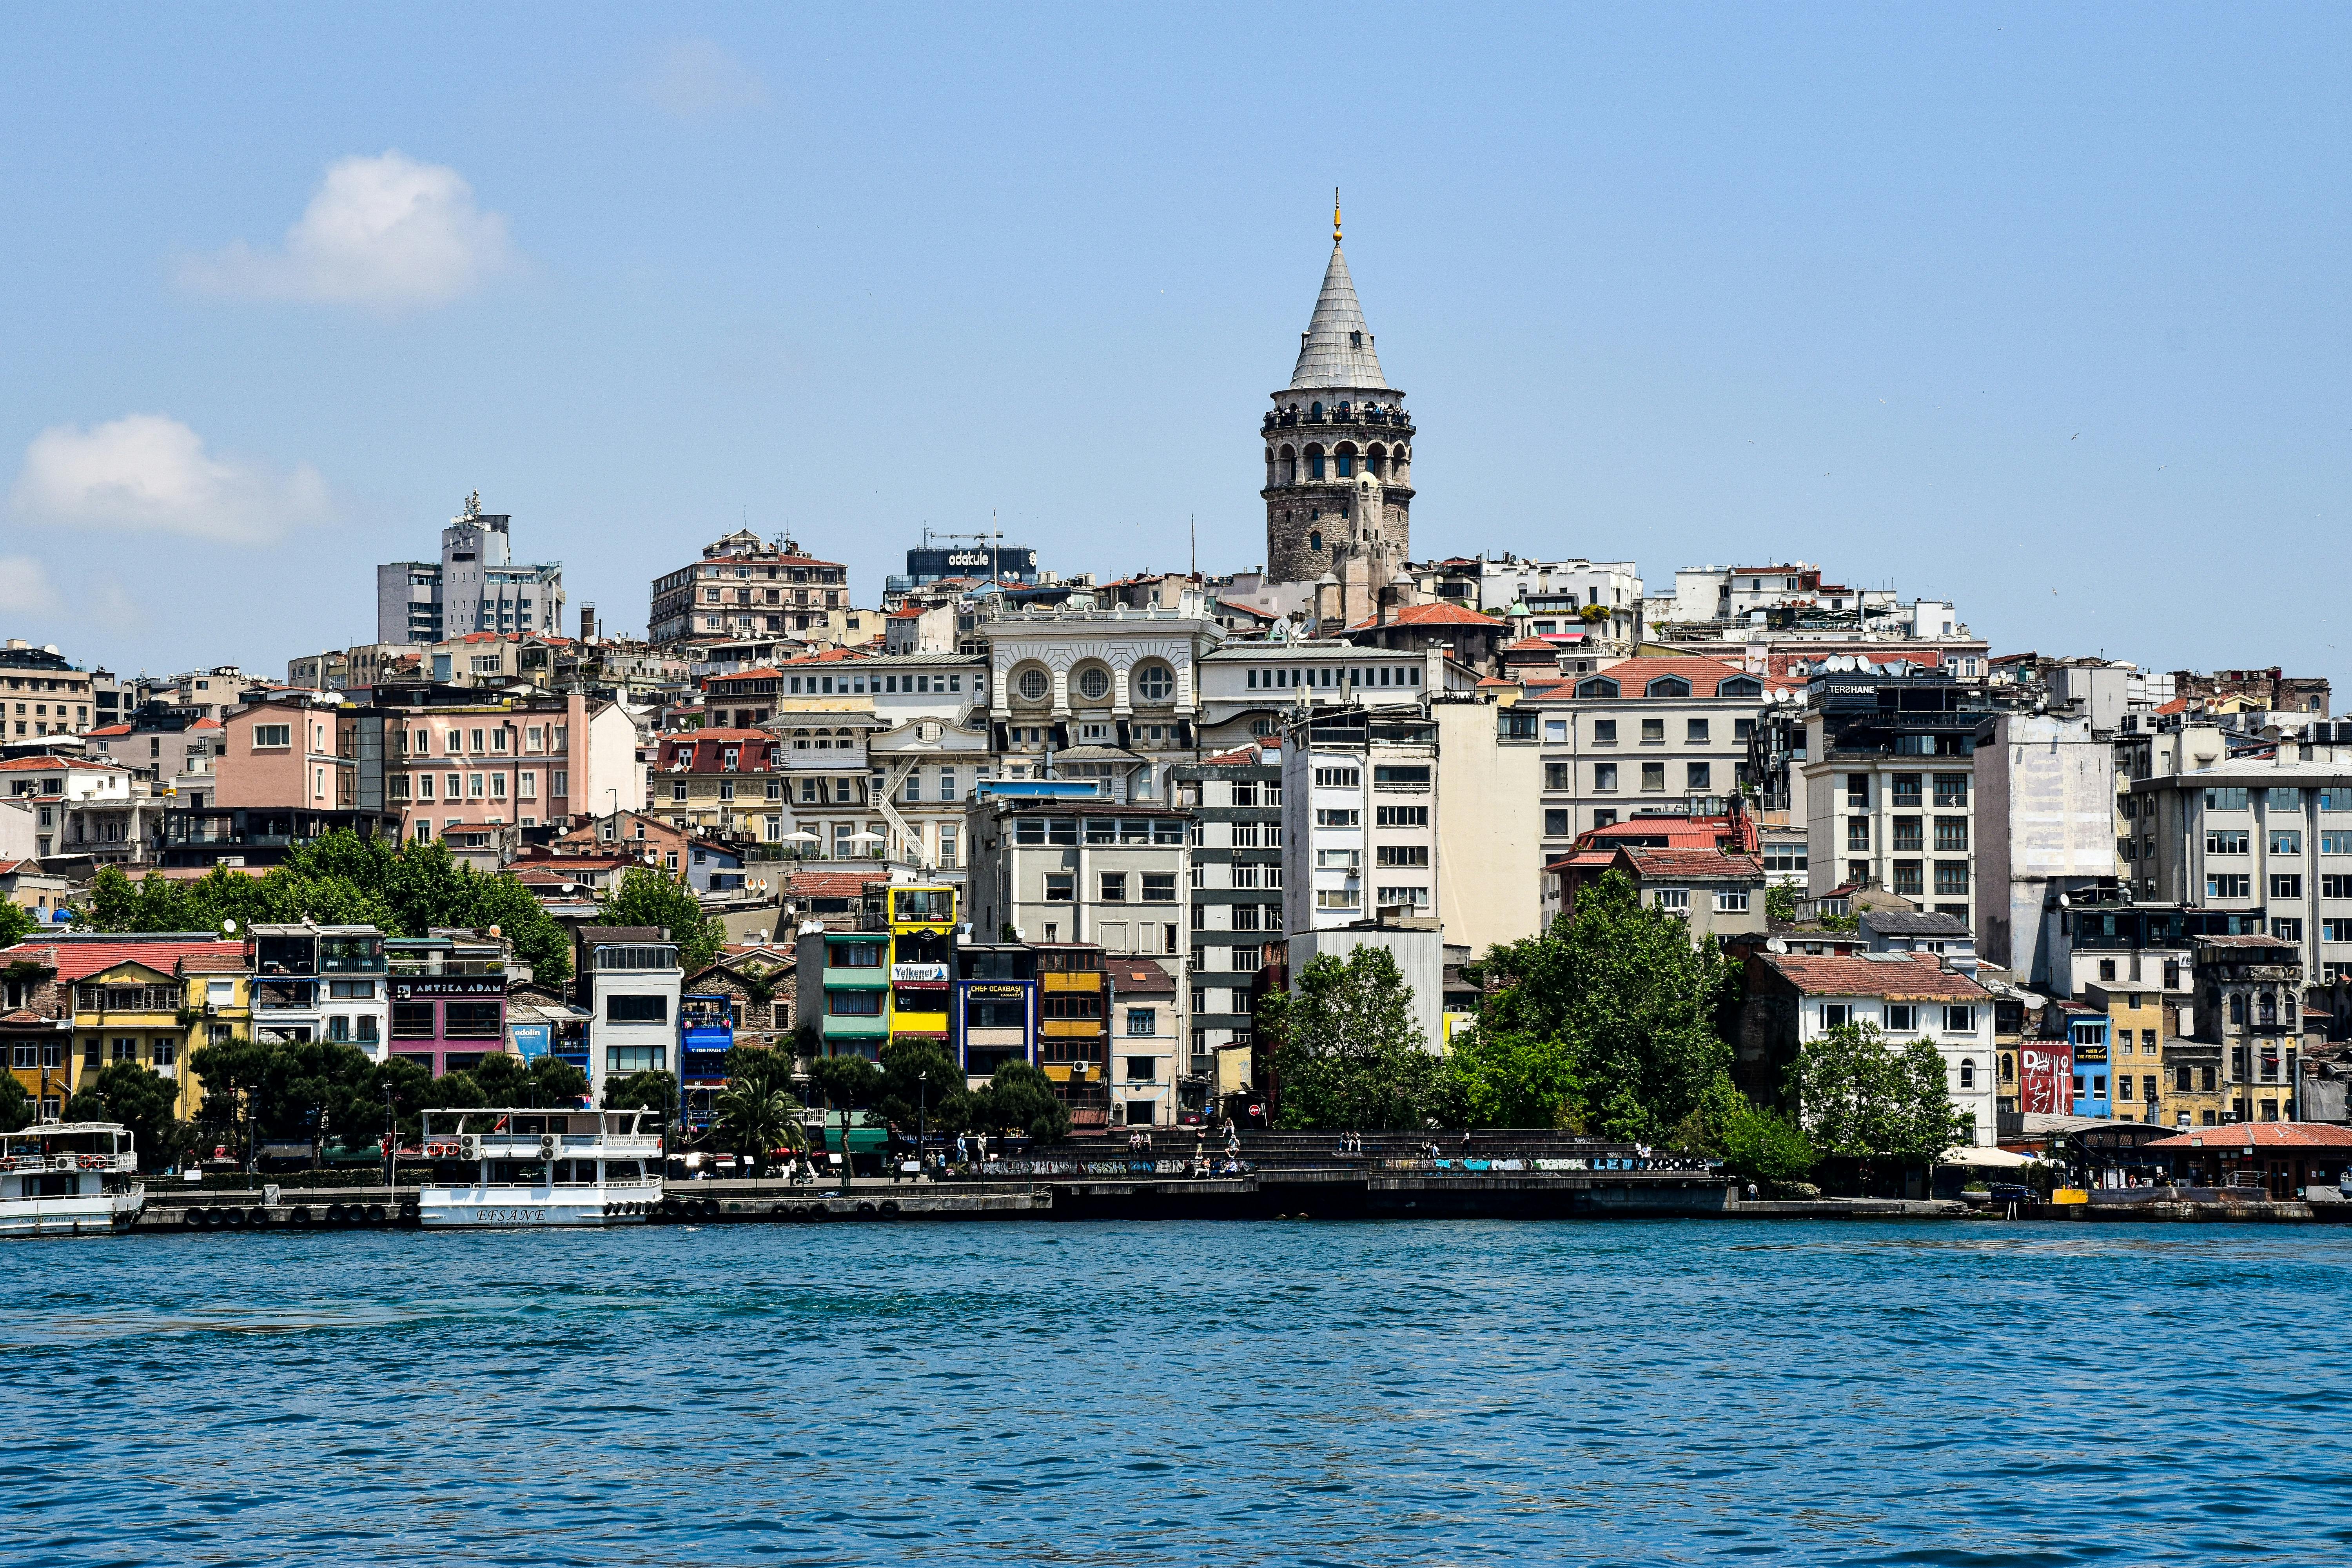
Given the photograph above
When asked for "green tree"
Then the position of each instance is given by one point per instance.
(16, 1108)
(143, 1102)
(543, 1083)
(1861, 1101)
(841, 1084)
(1020, 1098)
(1631, 997)
(1758, 1144)
(647, 896)
(754, 1120)
(1347, 1053)
(1780, 902)
(1514, 1080)
(652, 1090)
(921, 1083)
(17, 923)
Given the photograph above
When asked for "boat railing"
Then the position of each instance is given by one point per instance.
(29, 1163)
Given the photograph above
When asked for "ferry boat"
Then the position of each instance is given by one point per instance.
(516, 1168)
(68, 1178)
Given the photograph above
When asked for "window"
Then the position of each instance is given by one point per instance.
(1058, 887)
(1951, 790)
(1959, 1020)
(1410, 897)
(1696, 775)
(1555, 824)
(1836, 1014)
(475, 1020)
(1857, 791)
(2286, 887)
(1335, 897)
(1653, 732)
(269, 737)
(1338, 778)
(2335, 887)
(2285, 799)
(1731, 901)
(1653, 775)
(2227, 841)
(1857, 833)
(1160, 887)
(1094, 683)
(2287, 930)
(2287, 843)
(1676, 900)
(1401, 816)
(1604, 731)
(1338, 859)
(1902, 790)
(2229, 886)
(1557, 776)
(2225, 800)
(1967, 1075)
(1155, 683)
(1033, 684)
(1951, 877)
(1902, 1018)
(1951, 833)
(1113, 887)
(632, 1058)
(1604, 778)
(1336, 816)
(1401, 855)
(1600, 686)
(1694, 733)
(1665, 686)
(1400, 774)
(1907, 833)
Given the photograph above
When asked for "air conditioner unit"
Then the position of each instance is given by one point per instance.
(470, 1146)
(550, 1145)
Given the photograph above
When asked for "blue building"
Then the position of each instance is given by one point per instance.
(993, 1014)
(2086, 1032)
(713, 867)
(705, 1033)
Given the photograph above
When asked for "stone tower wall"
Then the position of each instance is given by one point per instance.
(1372, 505)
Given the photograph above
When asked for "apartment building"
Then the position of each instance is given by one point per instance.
(742, 586)
(321, 982)
(448, 995)
(629, 981)
(78, 805)
(1067, 874)
(1636, 734)
(1716, 894)
(1235, 801)
(1794, 999)
(2249, 1010)
(463, 769)
(1112, 694)
(729, 784)
(1146, 1040)
(1248, 689)
(42, 693)
(1887, 771)
(1359, 792)
(917, 740)
(147, 1000)
(2265, 839)
(477, 585)
(174, 751)
(2045, 790)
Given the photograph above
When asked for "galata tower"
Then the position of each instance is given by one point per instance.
(1338, 449)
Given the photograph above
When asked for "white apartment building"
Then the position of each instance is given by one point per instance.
(1359, 798)
(629, 980)
(2046, 817)
(476, 587)
(1886, 775)
(1602, 598)
(1235, 801)
(1112, 694)
(1794, 999)
(1250, 689)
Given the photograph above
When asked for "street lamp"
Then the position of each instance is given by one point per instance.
(922, 1106)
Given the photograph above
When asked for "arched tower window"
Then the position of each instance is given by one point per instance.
(1314, 412)
(1285, 466)
(1315, 542)
(1376, 461)
(1345, 452)
(1314, 462)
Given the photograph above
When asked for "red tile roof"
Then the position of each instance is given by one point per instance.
(108, 730)
(1633, 674)
(48, 760)
(1677, 862)
(1918, 975)
(832, 884)
(1246, 756)
(2257, 1135)
(1138, 976)
(75, 960)
(1435, 614)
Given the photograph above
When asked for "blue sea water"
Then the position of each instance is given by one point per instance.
(1176, 1394)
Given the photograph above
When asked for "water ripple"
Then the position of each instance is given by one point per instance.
(1421, 1392)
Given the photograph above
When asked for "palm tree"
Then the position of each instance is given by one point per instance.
(753, 1120)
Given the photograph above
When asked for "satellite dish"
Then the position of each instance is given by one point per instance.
(1776, 945)
(230, 925)
(494, 931)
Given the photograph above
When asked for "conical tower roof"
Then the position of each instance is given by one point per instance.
(1338, 348)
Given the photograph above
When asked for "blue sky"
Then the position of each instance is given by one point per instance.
(2042, 310)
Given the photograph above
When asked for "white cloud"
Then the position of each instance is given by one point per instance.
(388, 233)
(25, 588)
(149, 471)
(694, 78)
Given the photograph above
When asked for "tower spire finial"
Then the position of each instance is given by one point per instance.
(1335, 214)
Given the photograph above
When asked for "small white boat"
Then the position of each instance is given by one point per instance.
(510, 1169)
(68, 1178)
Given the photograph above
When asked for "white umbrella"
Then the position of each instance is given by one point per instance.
(803, 837)
(1986, 1157)
(867, 838)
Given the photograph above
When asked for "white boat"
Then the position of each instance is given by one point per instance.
(68, 1178)
(515, 1168)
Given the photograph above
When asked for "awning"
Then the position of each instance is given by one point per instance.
(1988, 1157)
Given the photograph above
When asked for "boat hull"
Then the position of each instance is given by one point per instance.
(530, 1208)
(95, 1213)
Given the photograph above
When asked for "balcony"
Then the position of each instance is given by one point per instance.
(856, 1026)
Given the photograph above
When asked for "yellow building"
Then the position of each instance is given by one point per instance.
(2138, 1034)
(922, 919)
